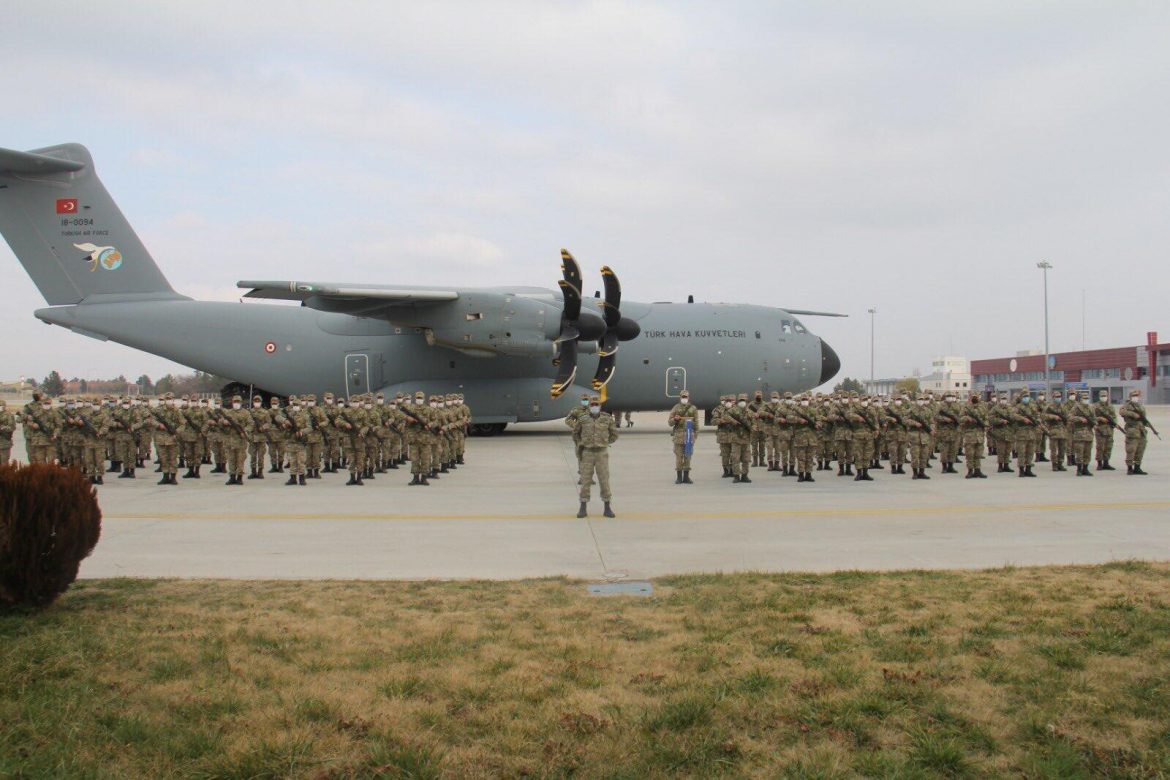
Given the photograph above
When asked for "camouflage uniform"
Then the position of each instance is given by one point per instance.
(999, 420)
(236, 429)
(757, 437)
(1081, 421)
(738, 422)
(215, 436)
(126, 421)
(863, 418)
(275, 436)
(297, 424)
(353, 425)
(920, 423)
(71, 437)
(580, 410)
(1040, 403)
(804, 422)
(1027, 422)
(7, 429)
(897, 434)
(1106, 417)
(825, 434)
(1135, 433)
(681, 414)
(315, 439)
(946, 432)
(96, 431)
(843, 435)
(597, 431)
(723, 433)
(166, 422)
(192, 436)
(332, 446)
(144, 435)
(418, 423)
(262, 420)
(1055, 417)
(373, 442)
(973, 422)
(40, 431)
(785, 433)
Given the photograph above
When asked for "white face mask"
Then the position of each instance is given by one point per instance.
(381, 402)
(183, 404)
(355, 405)
(329, 402)
(296, 407)
(743, 404)
(595, 410)
(312, 404)
(897, 403)
(922, 403)
(369, 406)
(235, 406)
(790, 401)
(434, 405)
(727, 404)
(804, 403)
(257, 406)
(685, 399)
(864, 404)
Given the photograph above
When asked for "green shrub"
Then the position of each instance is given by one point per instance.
(49, 522)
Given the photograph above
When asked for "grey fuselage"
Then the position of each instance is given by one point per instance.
(709, 349)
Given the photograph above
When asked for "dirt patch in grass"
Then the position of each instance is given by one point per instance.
(1052, 672)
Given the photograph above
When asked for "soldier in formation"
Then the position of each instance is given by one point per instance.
(684, 427)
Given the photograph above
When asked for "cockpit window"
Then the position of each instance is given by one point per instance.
(796, 326)
(785, 327)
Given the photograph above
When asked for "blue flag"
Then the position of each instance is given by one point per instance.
(689, 441)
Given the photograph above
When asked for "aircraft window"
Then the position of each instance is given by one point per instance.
(757, 334)
(474, 316)
(785, 326)
(796, 326)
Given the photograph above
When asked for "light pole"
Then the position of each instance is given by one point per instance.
(1044, 265)
(872, 313)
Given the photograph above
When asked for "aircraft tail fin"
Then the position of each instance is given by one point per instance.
(69, 234)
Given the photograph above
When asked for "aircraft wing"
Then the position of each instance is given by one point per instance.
(807, 313)
(301, 291)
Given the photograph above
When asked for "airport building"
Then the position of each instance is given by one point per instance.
(1117, 371)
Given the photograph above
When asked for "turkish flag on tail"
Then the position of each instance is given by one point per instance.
(66, 205)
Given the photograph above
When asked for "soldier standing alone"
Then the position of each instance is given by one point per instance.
(597, 431)
(684, 423)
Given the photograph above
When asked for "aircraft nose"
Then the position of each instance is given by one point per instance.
(830, 363)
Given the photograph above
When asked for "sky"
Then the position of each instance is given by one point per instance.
(917, 158)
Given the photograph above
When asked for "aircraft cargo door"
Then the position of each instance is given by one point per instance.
(357, 374)
(676, 381)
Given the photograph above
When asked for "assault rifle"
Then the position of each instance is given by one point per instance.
(225, 417)
(41, 424)
(1148, 424)
(166, 425)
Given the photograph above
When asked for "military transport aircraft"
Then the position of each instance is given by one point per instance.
(516, 353)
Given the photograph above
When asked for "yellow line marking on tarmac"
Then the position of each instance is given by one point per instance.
(776, 514)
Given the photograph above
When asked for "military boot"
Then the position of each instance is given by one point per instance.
(392, 465)
(583, 510)
(608, 512)
(115, 466)
(859, 476)
(808, 477)
(1128, 469)
(840, 469)
(292, 480)
(443, 468)
(744, 478)
(190, 473)
(254, 474)
(99, 480)
(727, 472)
(1137, 469)
(1072, 460)
(414, 480)
(273, 469)
(423, 480)
(678, 476)
(198, 466)
(126, 474)
(1087, 472)
(1105, 466)
(877, 464)
(165, 480)
(300, 479)
(979, 474)
(459, 460)
(687, 477)
(1041, 458)
(1028, 472)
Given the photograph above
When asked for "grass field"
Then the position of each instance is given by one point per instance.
(1054, 672)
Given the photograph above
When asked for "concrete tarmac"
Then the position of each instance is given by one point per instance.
(510, 513)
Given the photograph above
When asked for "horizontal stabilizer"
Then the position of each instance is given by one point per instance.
(807, 313)
(12, 161)
(302, 291)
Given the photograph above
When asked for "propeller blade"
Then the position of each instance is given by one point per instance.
(566, 368)
(568, 333)
(627, 329)
(606, 367)
(570, 270)
(608, 344)
(613, 296)
(572, 296)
